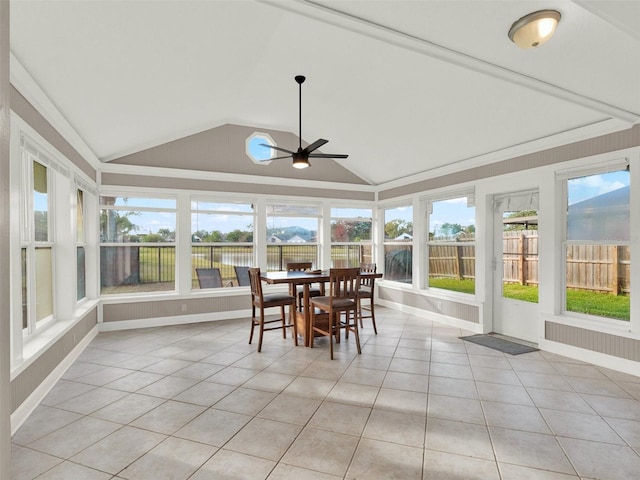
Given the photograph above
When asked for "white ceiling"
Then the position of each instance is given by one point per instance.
(405, 88)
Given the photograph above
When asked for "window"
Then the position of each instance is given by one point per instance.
(292, 235)
(81, 285)
(451, 244)
(137, 244)
(37, 246)
(598, 261)
(350, 236)
(398, 244)
(221, 237)
(256, 150)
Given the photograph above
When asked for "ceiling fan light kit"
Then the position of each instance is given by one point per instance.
(302, 155)
(534, 29)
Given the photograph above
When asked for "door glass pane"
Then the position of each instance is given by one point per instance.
(80, 276)
(79, 216)
(44, 284)
(520, 255)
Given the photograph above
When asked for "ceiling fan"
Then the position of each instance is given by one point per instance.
(302, 155)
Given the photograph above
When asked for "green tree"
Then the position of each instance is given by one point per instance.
(395, 228)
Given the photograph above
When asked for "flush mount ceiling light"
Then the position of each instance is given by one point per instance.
(534, 29)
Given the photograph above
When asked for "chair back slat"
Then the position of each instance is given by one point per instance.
(209, 277)
(255, 282)
(344, 283)
(367, 268)
(298, 266)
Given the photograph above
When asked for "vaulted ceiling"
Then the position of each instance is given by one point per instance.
(406, 88)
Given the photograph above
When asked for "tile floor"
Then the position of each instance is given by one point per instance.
(197, 402)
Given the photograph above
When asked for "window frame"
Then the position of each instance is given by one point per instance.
(362, 243)
(382, 209)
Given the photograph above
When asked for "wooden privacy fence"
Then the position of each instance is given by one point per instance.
(601, 268)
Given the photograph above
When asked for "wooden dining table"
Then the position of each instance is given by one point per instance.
(305, 279)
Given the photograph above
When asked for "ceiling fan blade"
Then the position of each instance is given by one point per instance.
(315, 145)
(276, 148)
(328, 155)
(277, 158)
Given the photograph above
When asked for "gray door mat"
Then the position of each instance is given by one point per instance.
(500, 344)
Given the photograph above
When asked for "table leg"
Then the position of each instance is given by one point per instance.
(307, 315)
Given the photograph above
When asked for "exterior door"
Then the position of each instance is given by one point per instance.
(515, 312)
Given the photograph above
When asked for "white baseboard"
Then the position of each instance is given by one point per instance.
(28, 406)
(175, 320)
(589, 356)
(438, 317)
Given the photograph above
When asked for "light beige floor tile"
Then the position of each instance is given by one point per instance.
(264, 438)
(167, 366)
(79, 369)
(91, 401)
(213, 427)
(625, 408)
(453, 387)
(377, 460)
(582, 426)
(602, 461)
(41, 422)
(135, 381)
(364, 376)
(395, 427)
(128, 408)
(74, 437)
(629, 430)
(404, 401)
(455, 408)
(270, 381)
(227, 465)
(372, 361)
(289, 472)
(168, 387)
(73, 471)
(103, 376)
(495, 375)
(224, 357)
(495, 392)
(452, 371)
(340, 418)
(415, 343)
(198, 371)
(445, 436)
(535, 366)
(517, 472)
(323, 451)
(448, 347)
(413, 354)
(559, 400)
(27, 464)
(64, 390)
(573, 370)
(232, 376)
(515, 417)
(353, 394)
(438, 356)
(288, 409)
(406, 381)
(245, 401)
(173, 459)
(138, 362)
(118, 450)
(193, 354)
(205, 393)
(308, 387)
(529, 449)
(168, 417)
(545, 381)
(444, 466)
(406, 365)
(597, 386)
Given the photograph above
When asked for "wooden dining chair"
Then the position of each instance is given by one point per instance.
(344, 284)
(259, 302)
(299, 290)
(367, 286)
(209, 277)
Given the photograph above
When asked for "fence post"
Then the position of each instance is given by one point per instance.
(523, 276)
(159, 264)
(459, 265)
(614, 270)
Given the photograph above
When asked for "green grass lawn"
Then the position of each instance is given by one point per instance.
(579, 301)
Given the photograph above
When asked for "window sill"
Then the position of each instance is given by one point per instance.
(609, 326)
(44, 339)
